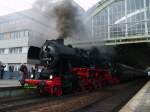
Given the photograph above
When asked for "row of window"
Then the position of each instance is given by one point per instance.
(14, 50)
(2, 51)
(8, 23)
(19, 34)
(15, 35)
(112, 22)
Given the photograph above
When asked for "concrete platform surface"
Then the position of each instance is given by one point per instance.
(140, 102)
(9, 83)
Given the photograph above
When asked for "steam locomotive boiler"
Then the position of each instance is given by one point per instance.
(54, 52)
(67, 69)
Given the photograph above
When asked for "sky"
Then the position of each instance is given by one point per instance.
(10, 6)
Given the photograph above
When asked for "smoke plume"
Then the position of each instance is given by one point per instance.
(66, 18)
(65, 15)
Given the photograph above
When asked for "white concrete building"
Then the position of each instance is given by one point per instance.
(18, 31)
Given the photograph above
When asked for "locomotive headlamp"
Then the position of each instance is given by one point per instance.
(51, 77)
(31, 76)
(50, 58)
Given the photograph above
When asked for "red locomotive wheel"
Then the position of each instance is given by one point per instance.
(82, 85)
(99, 85)
(57, 91)
(94, 84)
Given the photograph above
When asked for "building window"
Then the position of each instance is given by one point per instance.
(1, 36)
(133, 5)
(26, 33)
(20, 34)
(2, 51)
(12, 35)
(16, 50)
(16, 35)
(148, 3)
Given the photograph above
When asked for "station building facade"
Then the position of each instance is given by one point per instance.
(123, 25)
(120, 21)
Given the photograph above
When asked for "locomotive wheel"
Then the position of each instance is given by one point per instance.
(81, 85)
(57, 91)
(40, 88)
(99, 85)
(95, 86)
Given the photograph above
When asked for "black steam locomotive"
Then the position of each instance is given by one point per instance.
(67, 69)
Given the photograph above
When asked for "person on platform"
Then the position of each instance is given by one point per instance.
(24, 71)
(10, 72)
(1, 70)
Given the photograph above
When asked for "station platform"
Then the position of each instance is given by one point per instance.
(140, 102)
(9, 83)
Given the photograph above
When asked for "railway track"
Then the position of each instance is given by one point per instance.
(14, 103)
(7, 105)
(116, 100)
(109, 99)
